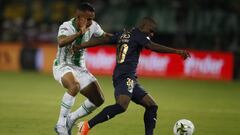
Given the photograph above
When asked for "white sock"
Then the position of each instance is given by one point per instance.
(86, 108)
(67, 103)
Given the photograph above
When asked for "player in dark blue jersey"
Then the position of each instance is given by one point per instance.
(129, 44)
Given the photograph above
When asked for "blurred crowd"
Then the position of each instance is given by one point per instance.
(193, 24)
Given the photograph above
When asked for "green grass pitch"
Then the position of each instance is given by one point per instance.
(29, 105)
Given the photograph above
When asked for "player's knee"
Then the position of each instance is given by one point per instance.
(150, 117)
(152, 108)
(124, 104)
(122, 108)
(74, 88)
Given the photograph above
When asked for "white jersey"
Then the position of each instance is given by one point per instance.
(64, 55)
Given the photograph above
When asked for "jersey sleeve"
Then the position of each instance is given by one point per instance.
(98, 32)
(143, 40)
(64, 30)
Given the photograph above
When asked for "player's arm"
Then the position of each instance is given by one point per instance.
(107, 39)
(64, 40)
(93, 42)
(104, 39)
(163, 49)
(106, 34)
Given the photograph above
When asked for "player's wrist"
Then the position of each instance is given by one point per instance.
(79, 33)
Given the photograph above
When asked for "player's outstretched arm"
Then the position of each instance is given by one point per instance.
(92, 43)
(163, 49)
(107, 34)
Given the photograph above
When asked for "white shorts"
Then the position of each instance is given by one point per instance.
(82, 75)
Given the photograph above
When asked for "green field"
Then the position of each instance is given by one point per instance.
(29, 105)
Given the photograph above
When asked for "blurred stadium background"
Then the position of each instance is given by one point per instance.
(208, 95)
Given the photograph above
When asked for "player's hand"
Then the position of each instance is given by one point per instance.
(184, 54)
(82, 26)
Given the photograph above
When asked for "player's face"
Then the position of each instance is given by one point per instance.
(89, 16)
(86, 14)
(150, 29)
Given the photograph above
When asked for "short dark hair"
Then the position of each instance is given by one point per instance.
(145, 20)
(85, 6)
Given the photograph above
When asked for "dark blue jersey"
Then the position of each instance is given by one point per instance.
(129, 45)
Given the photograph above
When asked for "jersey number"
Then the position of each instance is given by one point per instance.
(122, 53)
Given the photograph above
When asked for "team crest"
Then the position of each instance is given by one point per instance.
(130, 85)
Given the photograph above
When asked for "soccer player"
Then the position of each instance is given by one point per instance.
(70, 69)
(129, 45)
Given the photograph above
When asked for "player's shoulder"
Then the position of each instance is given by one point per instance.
(96, 29)
(67, 25)
(139, 36)
(94, 25)
(138, 33)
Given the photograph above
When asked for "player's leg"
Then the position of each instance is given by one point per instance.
(110, 111)
(150, 116)
(95, 98)
(72, 86)
(123, 93)
(94, 93)
(106, 114)
(70, 83)
(90, 89)
(65, 76)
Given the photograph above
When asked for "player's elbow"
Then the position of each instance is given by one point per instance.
(155, 47)
(151, 47)
(62, 41)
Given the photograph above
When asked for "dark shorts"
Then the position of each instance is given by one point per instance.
(130, 87)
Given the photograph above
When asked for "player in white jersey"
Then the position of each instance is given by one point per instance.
(70, 70)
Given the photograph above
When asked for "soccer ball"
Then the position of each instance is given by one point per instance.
(183, 127)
